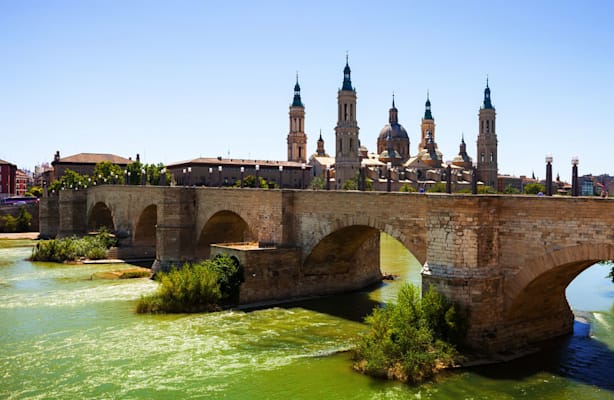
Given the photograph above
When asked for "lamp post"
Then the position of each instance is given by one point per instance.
(449, 179)
(281, 170)
(242, 172)
(143, 176)
(189, 176)
(474, 180)
(163, 177)
(388, 170)
(219, 176)
(303, 166)
(257, 167)
(549, 175)
(574, 176)
(129, 174)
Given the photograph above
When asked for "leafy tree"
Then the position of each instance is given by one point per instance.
(406, 187)
(534, 188)
(317, 183)
(107, 172)
(70, 180)
(154, 174)
(509, 189)
(354, 183)
(35, 191)
(250, 182)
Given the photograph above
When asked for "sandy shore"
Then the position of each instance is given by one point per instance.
(20, 235)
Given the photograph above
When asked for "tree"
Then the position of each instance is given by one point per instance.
(534, 188)
(354, 183)
(107, 172)
(317, 183)
(10, 223)
(250, 182)
(70, 180)
(35, 191)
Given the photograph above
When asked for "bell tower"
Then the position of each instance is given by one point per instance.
(428, 124)
(297, 139)
(347, 157)
(487, 142)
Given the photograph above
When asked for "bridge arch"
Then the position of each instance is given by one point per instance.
(538, 289)
(100, 216)
(222, 227)
(145, 230)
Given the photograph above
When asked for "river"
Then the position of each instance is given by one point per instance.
(64, 336)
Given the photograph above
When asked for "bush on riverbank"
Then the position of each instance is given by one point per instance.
(412, 339)
(195, 287)
(73, 248)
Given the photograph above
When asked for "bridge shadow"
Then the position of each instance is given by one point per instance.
(351, 306)
(578, 357)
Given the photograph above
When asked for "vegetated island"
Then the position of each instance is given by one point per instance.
(412, 339)
(72, 249)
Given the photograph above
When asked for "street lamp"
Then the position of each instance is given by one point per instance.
(449, 179)
(574, 176)
(388, 183)
(219, 176)
(257, 175)
(281, 170)
(303, 166)
(143, 177)
(189, 176)
(549, 175)
(163, 177)
(129, 173)
(242, 172)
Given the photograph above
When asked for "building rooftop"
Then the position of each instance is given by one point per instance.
(237, 162)
(93, 158)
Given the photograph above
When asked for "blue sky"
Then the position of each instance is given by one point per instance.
(174, 80)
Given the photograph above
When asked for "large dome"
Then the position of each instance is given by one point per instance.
(396, 131)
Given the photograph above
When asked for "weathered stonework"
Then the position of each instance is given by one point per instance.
(507, 259)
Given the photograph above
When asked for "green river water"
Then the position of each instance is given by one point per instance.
(65, 336)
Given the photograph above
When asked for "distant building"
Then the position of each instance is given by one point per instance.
(8, 174)
(23, 181)
(226, 172)
(487, 142)
(83, 163)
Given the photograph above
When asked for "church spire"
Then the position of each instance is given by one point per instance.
(393, 113)
(347, 81)
(487, 102)
(427, 107)
(297, 94)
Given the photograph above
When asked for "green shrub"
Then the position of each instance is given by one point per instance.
(406, 187)
(534, 188)
(73, 248)
(195, 287)
(24, 220)
(407, 339)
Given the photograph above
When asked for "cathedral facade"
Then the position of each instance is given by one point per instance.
(393, 160)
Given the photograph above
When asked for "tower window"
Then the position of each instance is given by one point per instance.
(340, 145)
(487, 126)
(351, 144)
(300, 152)
(345, 112)
(481, 157)
(492, 157)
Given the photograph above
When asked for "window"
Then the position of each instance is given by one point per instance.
(481, 157)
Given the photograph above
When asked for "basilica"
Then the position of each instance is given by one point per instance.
(393, 165)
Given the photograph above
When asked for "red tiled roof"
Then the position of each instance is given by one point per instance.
(239, 162)
(93, 158)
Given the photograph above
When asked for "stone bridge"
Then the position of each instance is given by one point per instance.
(507, 259)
